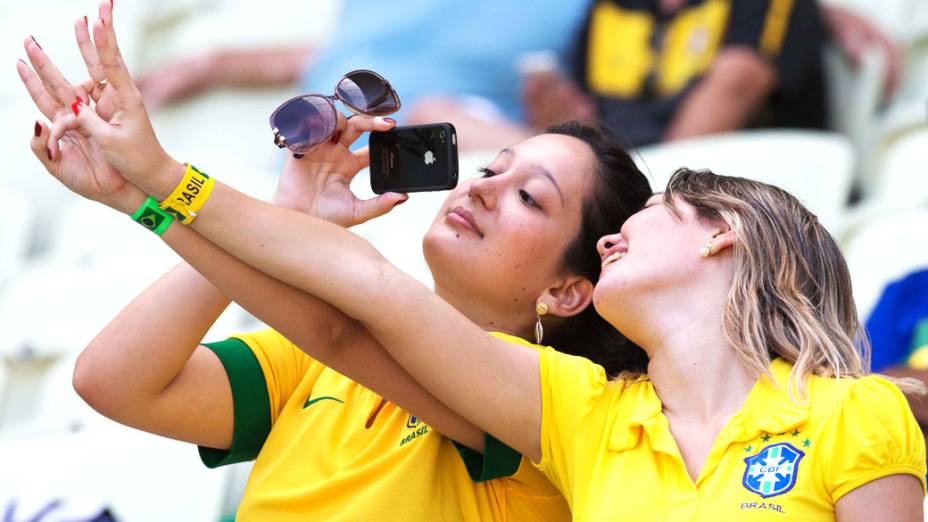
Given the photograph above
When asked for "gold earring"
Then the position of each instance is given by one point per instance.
(706, 251)
(540, 310)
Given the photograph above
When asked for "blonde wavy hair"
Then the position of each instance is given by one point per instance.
(791, 294)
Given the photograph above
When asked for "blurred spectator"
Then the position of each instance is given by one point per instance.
(854, 35)
(668, 69)
(462, 54)
(898, 331)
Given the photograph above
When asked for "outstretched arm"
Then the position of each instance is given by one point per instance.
(490, 382)
(182, 392)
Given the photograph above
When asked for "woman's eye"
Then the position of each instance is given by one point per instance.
(487, 173)
(528, 199)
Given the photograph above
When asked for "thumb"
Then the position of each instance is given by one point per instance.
(92, 123)
(375, 207)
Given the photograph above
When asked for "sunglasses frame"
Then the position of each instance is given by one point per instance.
(389, 91)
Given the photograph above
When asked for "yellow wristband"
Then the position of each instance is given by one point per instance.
(190, 195)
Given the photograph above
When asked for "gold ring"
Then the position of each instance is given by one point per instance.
(101, 84)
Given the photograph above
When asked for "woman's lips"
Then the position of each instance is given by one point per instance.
(615, 256)
(462, 218)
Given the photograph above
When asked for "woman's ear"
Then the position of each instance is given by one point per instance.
(570, 298)
(722, 241)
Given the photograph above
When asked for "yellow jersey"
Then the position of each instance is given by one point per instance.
(608, 447)
(330, 449)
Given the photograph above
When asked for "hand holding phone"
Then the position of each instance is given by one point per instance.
(415, 158)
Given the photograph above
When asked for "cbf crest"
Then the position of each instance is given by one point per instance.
(773, 470)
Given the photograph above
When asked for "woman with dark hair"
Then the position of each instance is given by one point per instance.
(311, 402)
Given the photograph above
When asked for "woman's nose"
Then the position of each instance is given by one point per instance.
(607, 242)
(484, 190)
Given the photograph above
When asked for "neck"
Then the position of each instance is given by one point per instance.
(488, 318)
(694, 369)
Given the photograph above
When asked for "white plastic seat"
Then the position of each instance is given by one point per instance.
(15, 232)
(884, 249)
(816, 167)
(139, 476)
(902, 179)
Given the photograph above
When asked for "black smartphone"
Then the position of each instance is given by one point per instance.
(415, 158)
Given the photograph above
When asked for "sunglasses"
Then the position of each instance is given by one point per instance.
(305, 122)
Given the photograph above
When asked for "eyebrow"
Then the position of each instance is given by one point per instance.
(538, 169)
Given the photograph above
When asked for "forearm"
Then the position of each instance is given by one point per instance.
(726, 98)
(320, 330)
(918, 403)
(261, 68)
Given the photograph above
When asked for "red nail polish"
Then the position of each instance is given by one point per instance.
(48, 151)
(36, 42)
(391, 120)
(400, 202)
(85, 21)
(337, 135)
(76, 106)
(38, 129)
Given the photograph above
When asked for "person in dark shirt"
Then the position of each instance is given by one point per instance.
(659, 70)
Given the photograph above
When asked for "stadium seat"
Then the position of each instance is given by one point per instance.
(15, 231)
(882, 249)
(901, 180)
(814, 166)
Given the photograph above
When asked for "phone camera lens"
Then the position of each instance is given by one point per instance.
(441, 134)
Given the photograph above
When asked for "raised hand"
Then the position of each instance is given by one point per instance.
(119, 125)
(318, 183)
(71, 156)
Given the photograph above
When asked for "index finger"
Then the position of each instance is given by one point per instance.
(361, 123)
(88, 51)
(104, 36)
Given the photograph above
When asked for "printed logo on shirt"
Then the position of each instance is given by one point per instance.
(773, 470)
(310, 401)
(420, 429)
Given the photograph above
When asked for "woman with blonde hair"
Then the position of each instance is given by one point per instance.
(757, 402)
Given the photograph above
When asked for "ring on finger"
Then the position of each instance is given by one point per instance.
(99, 85)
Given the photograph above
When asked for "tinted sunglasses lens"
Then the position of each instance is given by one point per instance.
(305, 122)
(367, 93)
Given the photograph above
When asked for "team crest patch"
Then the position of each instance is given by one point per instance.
(413, 422)
(773, 470)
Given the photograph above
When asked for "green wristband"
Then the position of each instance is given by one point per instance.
(152, 217)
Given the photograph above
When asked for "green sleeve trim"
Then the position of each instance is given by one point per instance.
(498, 460)
(250, 401)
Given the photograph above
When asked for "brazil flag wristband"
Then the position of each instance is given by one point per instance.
(190, 195)
(152, 217)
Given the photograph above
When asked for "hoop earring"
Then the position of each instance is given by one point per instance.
(540, 310)
(706, 251)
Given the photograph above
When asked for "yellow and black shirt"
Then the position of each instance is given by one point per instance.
(327, 448)
(640, 64)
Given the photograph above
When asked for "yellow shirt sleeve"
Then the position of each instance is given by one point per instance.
(284, 365)
(875, 435)
(570, 387)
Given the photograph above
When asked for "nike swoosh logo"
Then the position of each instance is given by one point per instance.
(309, 402)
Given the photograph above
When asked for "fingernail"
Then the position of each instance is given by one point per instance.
(38, 129)
(36, 42)
(85, 21)
(390, 120)
(21, 60)
(49, 152)
(76, 106)
(102, 21)
(337, 135)
(400, 202)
